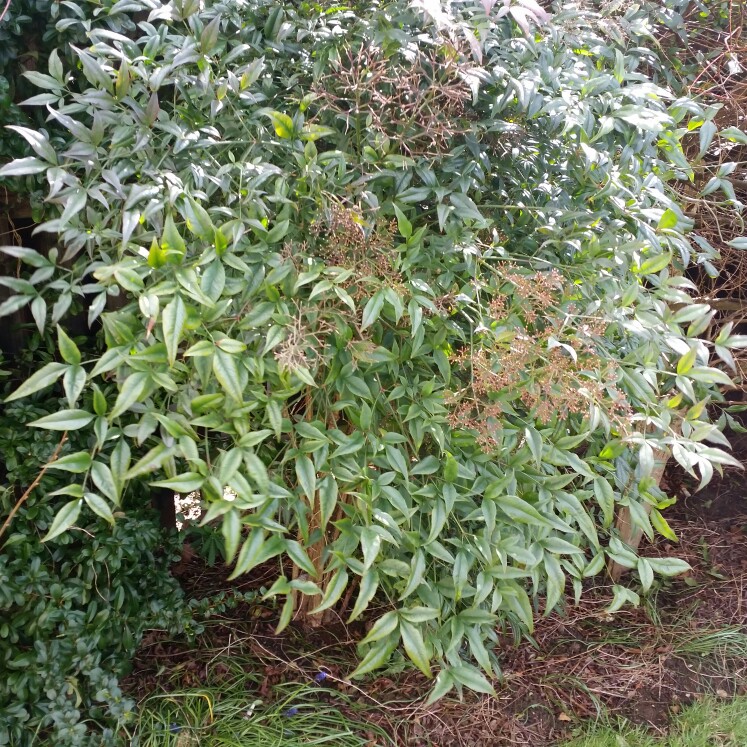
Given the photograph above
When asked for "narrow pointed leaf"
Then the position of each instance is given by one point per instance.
(66, 517)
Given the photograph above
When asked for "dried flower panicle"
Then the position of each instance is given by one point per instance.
(418, 104)
(550, 380)
(344, 242)
(537, 292)
(293, 352)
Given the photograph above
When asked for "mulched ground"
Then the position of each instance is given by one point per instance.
(642, 663)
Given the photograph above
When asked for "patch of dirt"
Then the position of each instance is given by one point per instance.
(642, 663)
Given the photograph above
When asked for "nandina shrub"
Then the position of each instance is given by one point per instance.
(398, 290)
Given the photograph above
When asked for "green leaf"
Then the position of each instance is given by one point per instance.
(313, 132)
(646, 573)
(299, 556)
(595, 566)
(204, 402)
(152, 461)
(226, 371)
(734, 134)
(43, 378)
(643, 118)
(278, 232)
(306, 475)
(172, 242)
(93, 71)
(99, 401)
(198, 220)
(707, 131)
(286, 615)
(327, 499)
(661, 525)
(214, 280)
(252, 73)
(99, 506)
(37, 141)
(282, 123)
(534, 441)
(132, 390)
(561, 547)
(427, 466)
(687, 361)
(451, 469)
(397, 459)
(444, 684)
(73, 383)
(404, 225)
(74, 490)
(78, 462)
(251, 553)
(555, 582)
(55, 66)
(187, 482)
(416, 615)
(466, 208)
(517, 601)
(382, 628)
(655, 264)
(257, 470)
(64, 420)
(472, 678)
(64, 519)
(621, 597)
(333, 591)
(669, 566)
(119, 462)
(414, 644)
(24, 167)
(417, 572)
(709, 376)
(370, 545)
(104, 481)
(209, 36)
(231, 531)
(39, 312)
(668, 220)
(377, 656)
(519, 510)
(369, 583)
(372, 309)
(606, 499)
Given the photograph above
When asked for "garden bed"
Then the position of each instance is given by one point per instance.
(689, 638)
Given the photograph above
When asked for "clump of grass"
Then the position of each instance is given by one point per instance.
(708, 723)
(729, 642)
(295, 714)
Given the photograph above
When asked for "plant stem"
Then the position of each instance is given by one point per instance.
(37, 480)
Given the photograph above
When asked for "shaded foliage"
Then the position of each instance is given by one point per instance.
(73, 610)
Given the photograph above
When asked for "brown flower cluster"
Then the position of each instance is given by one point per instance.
(417, 103)
(344, 242)
(552, 373)
(537, 292)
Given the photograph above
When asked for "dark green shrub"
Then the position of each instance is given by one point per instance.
(73, 610)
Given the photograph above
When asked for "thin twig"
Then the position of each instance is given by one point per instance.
(37, 480)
